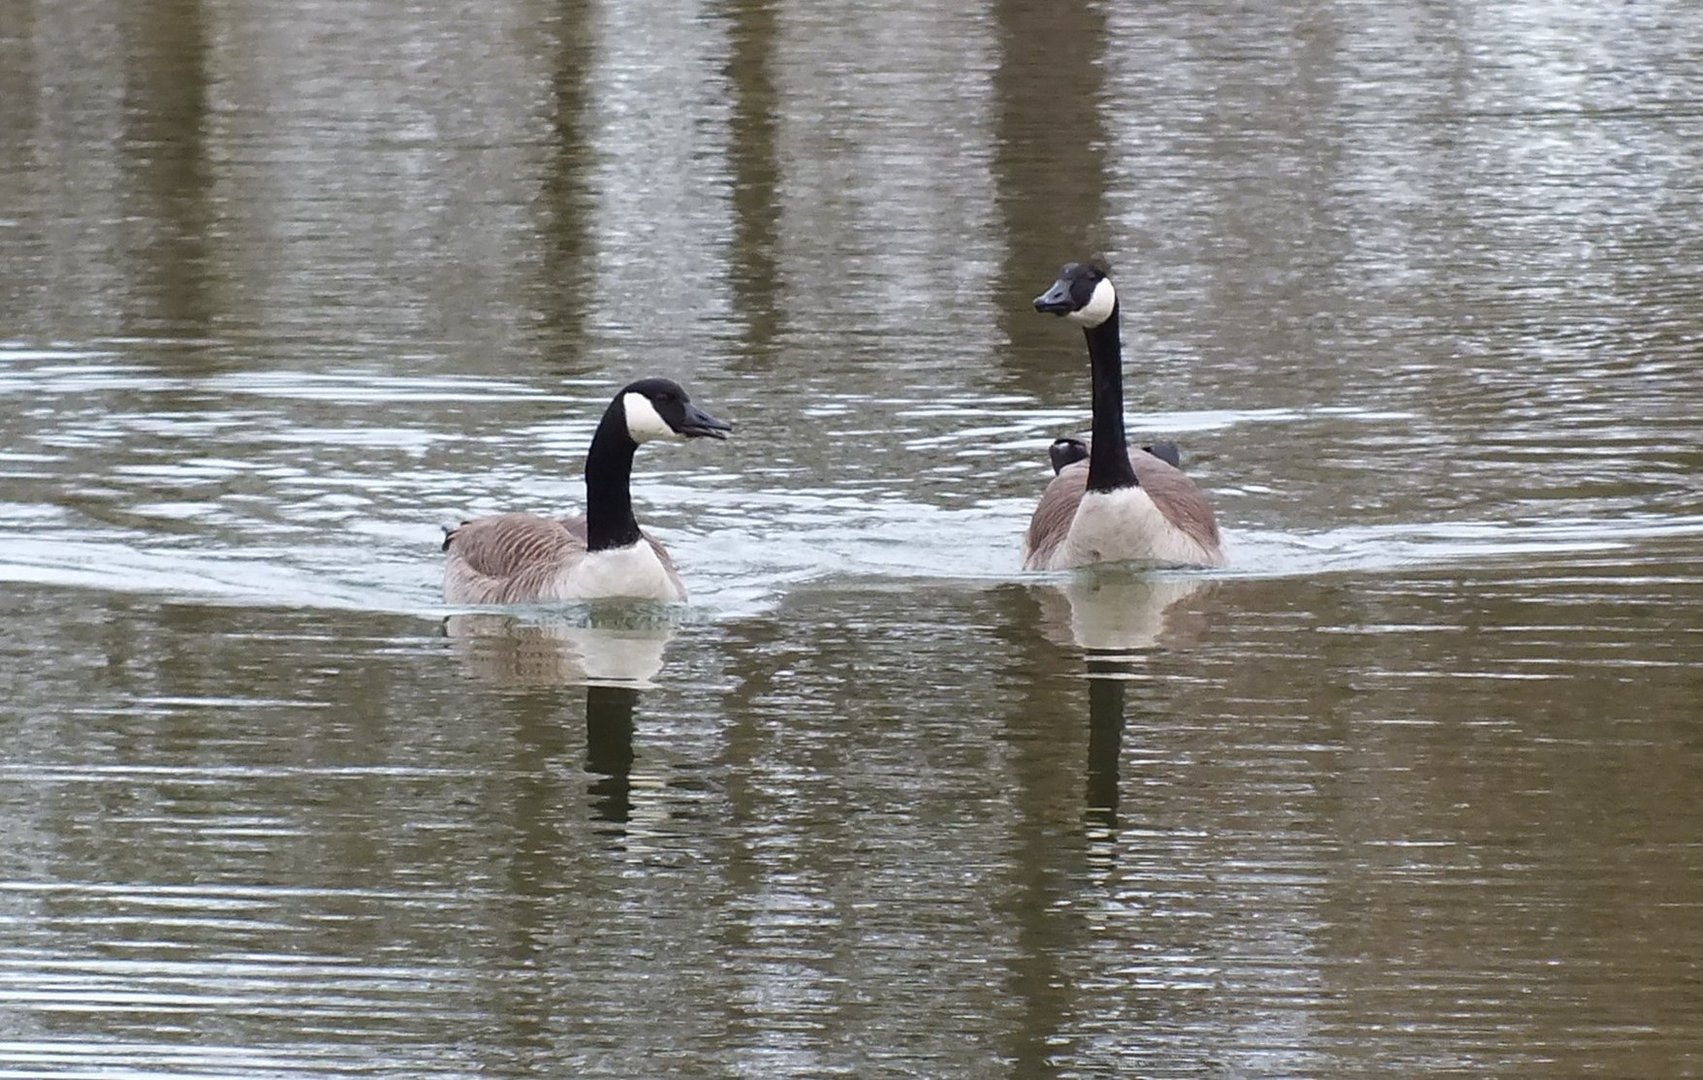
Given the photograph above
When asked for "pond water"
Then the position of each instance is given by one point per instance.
(1410, 788)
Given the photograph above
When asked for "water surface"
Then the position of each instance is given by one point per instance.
(1409, 788)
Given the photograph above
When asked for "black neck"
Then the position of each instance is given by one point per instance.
(1108, 457)
(608, 471)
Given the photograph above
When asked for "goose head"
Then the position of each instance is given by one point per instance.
(661, 409)
(1066, 451)
(1083, 294)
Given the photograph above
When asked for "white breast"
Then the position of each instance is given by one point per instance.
(1124, 526)
(632, 571)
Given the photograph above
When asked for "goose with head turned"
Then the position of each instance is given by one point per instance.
(1115, 506)
(525, 558)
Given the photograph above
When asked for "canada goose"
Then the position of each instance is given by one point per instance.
(1116, 506)
(1067, 450)
(522, 558)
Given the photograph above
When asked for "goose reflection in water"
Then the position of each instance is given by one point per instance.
(1118, 618)
(611, 650)
(610, 644)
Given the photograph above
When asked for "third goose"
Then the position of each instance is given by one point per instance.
(1067, 450)
(1116, 506)
(522, 558)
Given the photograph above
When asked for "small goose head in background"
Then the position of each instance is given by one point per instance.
(1066, 451)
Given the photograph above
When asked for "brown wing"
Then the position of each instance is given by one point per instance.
(1176, 496)
(1050, 523)
(508, 558)
(511, 558)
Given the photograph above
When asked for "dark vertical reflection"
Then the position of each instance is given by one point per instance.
(565, 193)
(19, 134)
(537, 869)
(1050, 167)
(755, 172)
(1045, 730)
(167, 176)
(19, 105)
(609, 750)
(17, 78)
(1105, 739)
(754, 647)
(1262, 161)
(540, 737)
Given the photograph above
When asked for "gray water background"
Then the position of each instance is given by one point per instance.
(1410, 789)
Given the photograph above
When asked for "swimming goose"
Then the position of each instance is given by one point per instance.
(524, 558)
(1115, 506)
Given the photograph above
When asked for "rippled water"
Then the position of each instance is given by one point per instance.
(1409, 788)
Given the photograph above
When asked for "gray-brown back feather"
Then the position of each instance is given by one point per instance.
(513, 558)
(1173, 494)
(1050, 523)
(1177, 497)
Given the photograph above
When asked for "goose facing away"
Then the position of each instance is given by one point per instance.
(525, 558)
(1115, 506)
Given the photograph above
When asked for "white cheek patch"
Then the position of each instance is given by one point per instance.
(1099, 306)
(643, 421)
